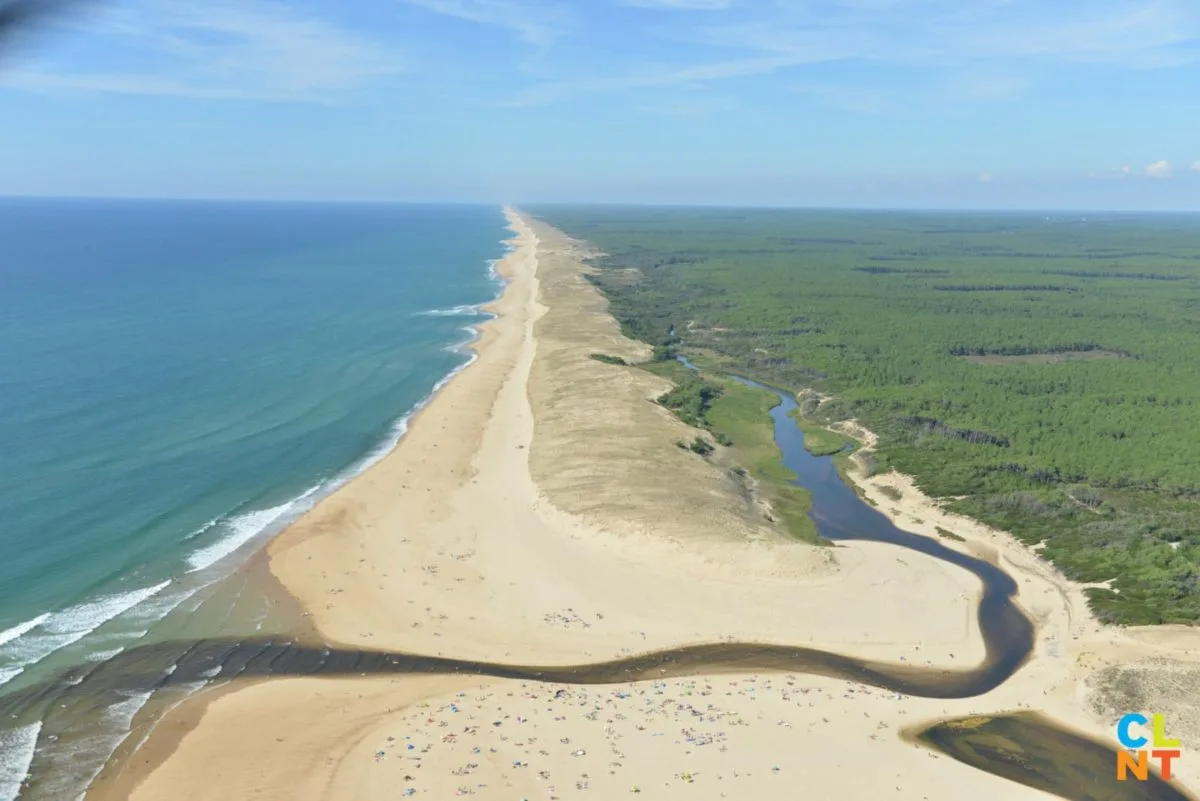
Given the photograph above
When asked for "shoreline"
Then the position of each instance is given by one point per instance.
(215, 581)
(211, 552)
(124, 773)
(114, 779)
(450, 546)
(301, 504)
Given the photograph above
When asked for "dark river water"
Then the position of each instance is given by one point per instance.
(841, 515)
(1023, 747)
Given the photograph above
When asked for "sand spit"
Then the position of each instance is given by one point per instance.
(525, 517)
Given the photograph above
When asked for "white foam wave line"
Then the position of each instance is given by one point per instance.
(510, 246)
(203, 528)
(71, 625)
(19, 629)
(94, 752)
(397, 432)
(465, 310)
(244, 528)
(104, 656)
(149, 614)
(122, 712)
(184, 691)
(16, 755)
(461, 347)
(84, 618)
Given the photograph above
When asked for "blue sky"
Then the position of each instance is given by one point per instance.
(921, 103)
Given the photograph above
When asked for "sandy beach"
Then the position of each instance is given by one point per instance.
(538, 512)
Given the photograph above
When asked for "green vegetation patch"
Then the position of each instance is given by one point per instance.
(947, 534)
(739, 417)
(744, 413)
(891, 492)
(691, 399)
(692, 396)
(698, 445)
(818, 440)
(1052, 437)
(607, 359)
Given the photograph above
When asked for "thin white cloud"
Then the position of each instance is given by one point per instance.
(536, 24)
(1196, 166)
(986, 177)
(646, 77)
(147, 85)
(251, 50)
(987, 49)
(1159, 169)
(1130, 33)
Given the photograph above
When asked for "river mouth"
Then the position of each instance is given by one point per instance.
(1036, 752)
(1021, 747)
(1031, 749)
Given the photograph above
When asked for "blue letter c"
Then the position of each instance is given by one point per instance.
(1123, 730)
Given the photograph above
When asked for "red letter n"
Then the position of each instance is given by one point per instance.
(1125, 763)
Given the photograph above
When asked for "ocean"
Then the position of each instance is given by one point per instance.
(179, 380)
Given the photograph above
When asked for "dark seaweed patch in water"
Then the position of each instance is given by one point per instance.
(1026, 747)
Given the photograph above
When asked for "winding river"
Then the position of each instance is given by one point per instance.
(1024, 747)
(841, 515)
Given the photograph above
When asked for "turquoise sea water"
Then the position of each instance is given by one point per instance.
(180, 379)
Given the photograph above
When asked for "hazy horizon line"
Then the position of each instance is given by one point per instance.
(604, 203)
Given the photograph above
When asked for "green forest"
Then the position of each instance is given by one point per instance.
(1043, 371)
